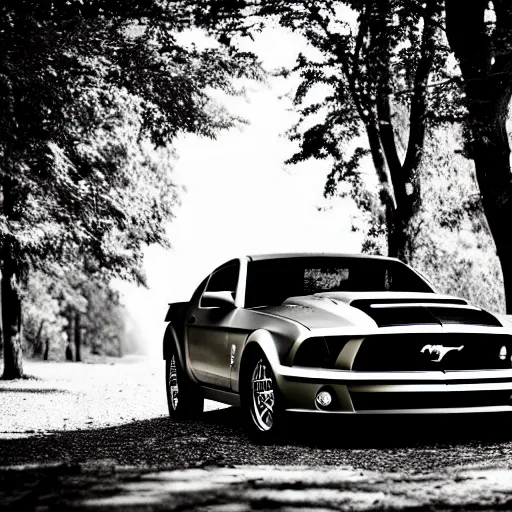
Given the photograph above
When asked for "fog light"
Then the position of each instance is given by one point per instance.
(324, 398)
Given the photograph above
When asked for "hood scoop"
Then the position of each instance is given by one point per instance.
(389, 312)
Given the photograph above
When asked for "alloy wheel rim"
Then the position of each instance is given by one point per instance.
(173, 383)
(263, 398)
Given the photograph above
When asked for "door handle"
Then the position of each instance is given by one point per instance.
(192, 320)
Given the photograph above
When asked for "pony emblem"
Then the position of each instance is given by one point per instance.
(439, 351)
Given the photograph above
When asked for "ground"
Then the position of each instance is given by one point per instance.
(97, 437)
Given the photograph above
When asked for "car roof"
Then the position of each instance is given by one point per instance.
(277, 256)
(283, 256)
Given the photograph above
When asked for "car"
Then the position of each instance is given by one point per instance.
(331, 334)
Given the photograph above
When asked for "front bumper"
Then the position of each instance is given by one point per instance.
(387, 393)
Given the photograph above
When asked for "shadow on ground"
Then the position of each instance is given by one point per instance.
(375, 463)
(218, 439)
(40, 391)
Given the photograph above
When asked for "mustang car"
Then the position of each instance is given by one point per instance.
(332, 335)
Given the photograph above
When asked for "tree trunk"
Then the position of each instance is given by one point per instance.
(492, 164)
(400, 196)
(38, 344)
(402, 199)
(487, 76)
(11, 320)
(505, 256)
(70, 331)
(386, 193)
(46, 349)
(1, 327)
(78, 336)
(490, 150)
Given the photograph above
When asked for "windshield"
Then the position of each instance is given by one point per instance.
(270, 282)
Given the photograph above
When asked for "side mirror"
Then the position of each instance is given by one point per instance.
(222, 300)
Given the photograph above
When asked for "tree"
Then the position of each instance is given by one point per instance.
(480, 35)
(83, 83)
(43, 323)
(65, 313)
(370, 57)
(103, 321)
(455, 248)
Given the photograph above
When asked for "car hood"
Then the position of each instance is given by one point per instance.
(380, 309)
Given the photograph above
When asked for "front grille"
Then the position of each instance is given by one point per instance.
(429, 400)
(419, 352)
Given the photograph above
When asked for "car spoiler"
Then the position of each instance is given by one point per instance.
(176, 312)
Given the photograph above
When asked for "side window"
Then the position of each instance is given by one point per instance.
(223, 280)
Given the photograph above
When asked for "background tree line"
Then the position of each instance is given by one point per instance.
(402, 77)
(92, 93)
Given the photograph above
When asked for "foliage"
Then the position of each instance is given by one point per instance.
(53, 299)
(456, 248)
(92, 93)
(374, 58)
(103, 320)
(480, 36)
(78, 94)
(365, 60)
(43, 322)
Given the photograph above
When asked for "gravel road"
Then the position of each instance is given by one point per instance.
(82, 436)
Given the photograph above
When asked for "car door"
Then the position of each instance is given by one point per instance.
(207, 331)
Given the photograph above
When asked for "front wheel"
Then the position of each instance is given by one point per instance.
(261, 401)
(184, 399)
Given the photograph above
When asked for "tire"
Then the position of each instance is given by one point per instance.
(184, 398)
(261, 401)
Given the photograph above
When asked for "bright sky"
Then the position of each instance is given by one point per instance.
(241, 199)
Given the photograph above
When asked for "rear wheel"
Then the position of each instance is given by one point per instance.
(261, 401)
(184, 398)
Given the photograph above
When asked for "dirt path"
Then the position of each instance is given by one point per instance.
(98, 437)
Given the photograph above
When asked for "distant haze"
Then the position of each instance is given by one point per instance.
(240, 199)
